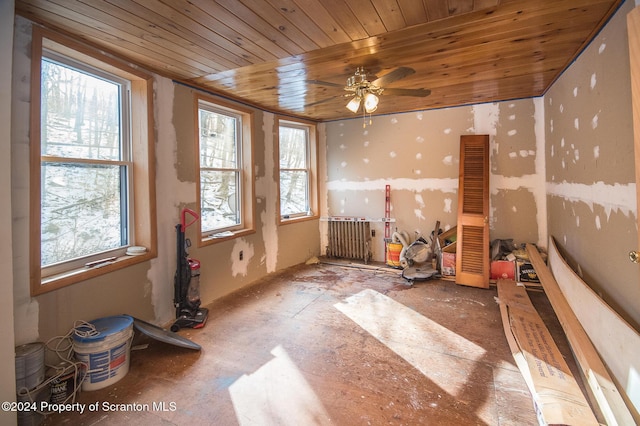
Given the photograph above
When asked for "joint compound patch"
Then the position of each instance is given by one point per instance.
(602, 47)
(447, 185)
(447, 205)
(240, 267)
(615, 197)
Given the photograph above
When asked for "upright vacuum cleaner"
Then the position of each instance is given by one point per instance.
(186, 299)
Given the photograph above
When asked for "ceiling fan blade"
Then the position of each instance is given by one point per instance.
(324, 83)
(394, 75)
(407, 92)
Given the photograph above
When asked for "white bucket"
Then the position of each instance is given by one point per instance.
(106, 355)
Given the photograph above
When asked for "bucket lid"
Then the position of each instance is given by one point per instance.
(163, 335)
(29, 349)
(105, 327)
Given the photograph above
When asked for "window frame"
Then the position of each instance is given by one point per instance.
(244, 168)
(125, 160)
(141, 186)
(312, 169)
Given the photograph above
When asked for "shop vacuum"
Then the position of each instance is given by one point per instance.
(186, 298)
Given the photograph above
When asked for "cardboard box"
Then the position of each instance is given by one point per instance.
(503, 269)
(448, 266)
(557, 397)
(447, 240)
(526, 273)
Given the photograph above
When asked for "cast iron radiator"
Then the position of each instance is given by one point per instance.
(349, 238)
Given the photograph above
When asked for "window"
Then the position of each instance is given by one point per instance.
(297, 153)
(83, 143)
(225, 168)
(85, 161)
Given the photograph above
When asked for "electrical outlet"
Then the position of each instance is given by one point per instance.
(373, 232)
(241, 255)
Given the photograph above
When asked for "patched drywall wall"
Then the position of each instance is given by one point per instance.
(265, 251)
(25, 307)
(590, 168)
(52, 314)
(146, 290)
(7, 353)
(173, 193)
(418, 155)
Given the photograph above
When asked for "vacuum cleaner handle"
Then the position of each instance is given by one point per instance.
(183, 219)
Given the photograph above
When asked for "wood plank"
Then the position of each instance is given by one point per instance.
(345, 17)
(390, 13)
(230, 51)
(556, 394)
(324, 20)
(414, 12)
(256, 22)
(248, 32)
(615, 340)
(368, 16)
(603, 388)
(178, 45)
(305, 23)
(282, 22)
(221, 23)
(168, 66)
(456, 7)
(436, 9)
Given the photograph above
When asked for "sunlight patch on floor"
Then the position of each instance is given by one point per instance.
(277, 394)
(443, 356)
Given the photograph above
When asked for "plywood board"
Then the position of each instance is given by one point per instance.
(556, 394)
(615, 340)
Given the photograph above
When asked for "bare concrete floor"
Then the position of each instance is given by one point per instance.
(330, 345)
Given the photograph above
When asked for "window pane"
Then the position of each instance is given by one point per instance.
(293, 192)
(293, 148)
(81, 210)
(219, 199)
(217, 140)
(80, 114)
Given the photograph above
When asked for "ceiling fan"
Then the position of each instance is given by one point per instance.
(364, 92)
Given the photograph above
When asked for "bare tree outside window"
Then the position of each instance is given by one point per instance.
(294, 170)
(84, 169)
(220, 154)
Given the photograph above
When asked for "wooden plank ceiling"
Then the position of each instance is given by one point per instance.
(270, 53)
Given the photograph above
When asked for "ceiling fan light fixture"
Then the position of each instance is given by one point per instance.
(370, 103)
(354, 104)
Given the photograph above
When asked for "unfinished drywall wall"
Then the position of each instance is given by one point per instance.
(590, 168)
(7, 375)
(146, 290)
(269, 248)
(26, 308)
(172, 194)
(417, 154)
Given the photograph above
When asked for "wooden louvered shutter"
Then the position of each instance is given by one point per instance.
(472, 250)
